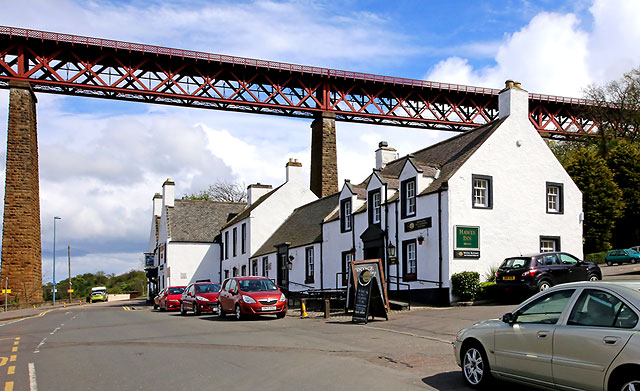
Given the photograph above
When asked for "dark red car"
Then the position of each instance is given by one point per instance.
(244, 296)
(171, 298)
(200, 297)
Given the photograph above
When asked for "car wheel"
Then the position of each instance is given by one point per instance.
(281, 315)
(609, 263)
(196, 310)
(475, 367)
(221, 313)
(627, 383)
(633, 261)
(593, 277)
(183, 311)
(543, 285)
(238, 312)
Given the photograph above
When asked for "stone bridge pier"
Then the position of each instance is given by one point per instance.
(21, 246)
(324, 163)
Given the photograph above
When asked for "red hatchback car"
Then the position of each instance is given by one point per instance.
(171, 298)
(200, 297)
(245, 296)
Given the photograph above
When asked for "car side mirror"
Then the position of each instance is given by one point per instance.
(232, 292)
(508, 318)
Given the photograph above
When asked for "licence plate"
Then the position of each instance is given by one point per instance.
(509, 278)
(270, 308)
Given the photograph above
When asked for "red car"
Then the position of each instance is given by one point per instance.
(171, 298)
(244, 296)
(200, 297)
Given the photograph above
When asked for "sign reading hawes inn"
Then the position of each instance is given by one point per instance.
(467, 242)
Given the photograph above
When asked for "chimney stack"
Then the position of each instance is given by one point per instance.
(513, 100)
(255, 191)
(168, 193)
(385, 154)
(294, 171)
(157, 205)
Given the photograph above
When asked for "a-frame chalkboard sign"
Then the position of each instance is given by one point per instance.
(371, 292)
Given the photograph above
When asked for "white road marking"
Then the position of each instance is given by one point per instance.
(39, 345)
(54, 330)
(15, 321)
(33, 384)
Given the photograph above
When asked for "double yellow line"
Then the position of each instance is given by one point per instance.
(11, 369)
(126, 308)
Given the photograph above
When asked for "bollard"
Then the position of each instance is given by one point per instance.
(34, 307)
(303, 304)
(326, 309)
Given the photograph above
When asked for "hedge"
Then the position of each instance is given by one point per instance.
(466, 285)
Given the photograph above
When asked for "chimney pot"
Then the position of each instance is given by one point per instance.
(508, 83)
(383, 144)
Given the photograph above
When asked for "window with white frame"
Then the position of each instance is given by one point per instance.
(549, 244)
(410, 259)
(309, 265)
(345, 215)
(554, 198)
(408, 189)
(235, 241)
(254, 267)
(265, 266)
(374, 207)
(347, 257)
(226, 245)
(482, 191)
(244, 238)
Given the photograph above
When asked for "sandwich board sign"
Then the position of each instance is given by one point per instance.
(371, 297)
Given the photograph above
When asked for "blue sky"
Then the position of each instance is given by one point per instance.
(101, 161)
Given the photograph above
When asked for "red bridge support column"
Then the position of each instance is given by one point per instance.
(21, 246)
(324, 163)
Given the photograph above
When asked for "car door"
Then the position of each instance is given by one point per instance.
(576, 270)
(598, 327)
(524, 349)
(191, 297)
(551, 267)
(223, 296)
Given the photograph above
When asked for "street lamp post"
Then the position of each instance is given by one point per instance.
(54, 257)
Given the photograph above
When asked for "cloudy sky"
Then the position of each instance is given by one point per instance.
(101, 161)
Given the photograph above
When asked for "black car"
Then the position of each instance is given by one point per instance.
(539, 272)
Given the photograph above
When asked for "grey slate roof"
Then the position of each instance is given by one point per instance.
(198, 220)
(449, 155)
(303, 226)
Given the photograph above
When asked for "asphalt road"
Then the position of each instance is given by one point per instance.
(128, 346)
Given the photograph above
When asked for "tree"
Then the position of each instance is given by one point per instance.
(616, 109)
(601, 198)
(624, 162)
(221, 191)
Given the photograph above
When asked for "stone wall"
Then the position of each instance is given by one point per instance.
(21, 246)
(324, 164)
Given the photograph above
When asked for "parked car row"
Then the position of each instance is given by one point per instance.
(240, 296)
(631, 255)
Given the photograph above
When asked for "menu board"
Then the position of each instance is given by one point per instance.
(371, 294)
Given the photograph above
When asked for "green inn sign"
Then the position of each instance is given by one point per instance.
(467, 242)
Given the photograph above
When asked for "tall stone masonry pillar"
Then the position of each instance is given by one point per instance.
(324, 163)
(21, 246)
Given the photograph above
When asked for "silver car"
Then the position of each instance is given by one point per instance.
(577, 336)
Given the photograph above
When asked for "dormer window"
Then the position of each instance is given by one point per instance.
(374, 207)
(408, 189)
(482, 192)
(345, 215)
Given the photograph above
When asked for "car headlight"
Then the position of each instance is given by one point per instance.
(248, 299)
(200, 298)
(282, 297)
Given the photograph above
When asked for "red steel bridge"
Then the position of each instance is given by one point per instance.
(83, 66)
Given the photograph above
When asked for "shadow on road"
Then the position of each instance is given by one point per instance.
(452, 381)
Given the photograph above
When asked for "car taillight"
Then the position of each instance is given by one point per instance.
(530, 273)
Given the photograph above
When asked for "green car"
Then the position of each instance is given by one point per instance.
(622, 256)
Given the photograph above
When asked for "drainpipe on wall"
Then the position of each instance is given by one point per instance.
(386, 236)
(444, 187)
(321, 259)
(397, 248)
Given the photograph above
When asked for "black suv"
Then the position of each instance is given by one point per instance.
(539, 272)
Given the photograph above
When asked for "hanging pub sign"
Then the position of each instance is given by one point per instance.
(148, 260)
(417, 224)
(467, 242)
(371, 292)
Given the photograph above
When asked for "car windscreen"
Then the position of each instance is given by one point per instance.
(632, 251)
(257, 285)
(98, 293)
(176, 291)
(207, 288)
(514, 263)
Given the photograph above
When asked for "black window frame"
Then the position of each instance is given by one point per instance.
(235, 241)
(345, 266)
(265, 266)
(405, 199)
(370, 208)
(243, 270)
(405, 246)
(243, 239)
(226, 244)
(560, 187)
(343, 215)
(309, 271)
(489, 195)
(254, 267)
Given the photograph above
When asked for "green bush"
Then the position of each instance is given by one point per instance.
(466, 285)
(488, 291)
(596, 257)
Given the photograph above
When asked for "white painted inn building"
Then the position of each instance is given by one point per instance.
(463, 204)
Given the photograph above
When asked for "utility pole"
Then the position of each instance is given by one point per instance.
(69, 252)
